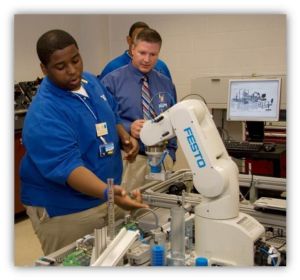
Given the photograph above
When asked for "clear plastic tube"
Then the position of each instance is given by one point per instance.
(111, 209)
(177, 236)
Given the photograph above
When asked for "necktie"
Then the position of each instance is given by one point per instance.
(148, 109)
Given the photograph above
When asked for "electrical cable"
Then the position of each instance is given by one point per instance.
(281, 245)
(194, 94)
(250, 184)
(272, 254)
(150, 210)
(163, 164)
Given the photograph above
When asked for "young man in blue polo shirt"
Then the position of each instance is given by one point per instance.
(126, 57)
(72, 135)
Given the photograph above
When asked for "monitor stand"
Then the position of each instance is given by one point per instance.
(255, 131)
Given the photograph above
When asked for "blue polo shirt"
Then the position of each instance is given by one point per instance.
(125, 85)
(124, 59)
(59, 135)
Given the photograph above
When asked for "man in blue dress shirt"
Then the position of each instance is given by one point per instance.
(125, 84)
(126, 57)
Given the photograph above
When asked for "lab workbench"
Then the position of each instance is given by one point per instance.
(138, 233)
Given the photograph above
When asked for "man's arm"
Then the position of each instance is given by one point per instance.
(85, 181)
(129, 144)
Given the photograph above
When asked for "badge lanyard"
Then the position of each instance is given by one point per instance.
(101, 130)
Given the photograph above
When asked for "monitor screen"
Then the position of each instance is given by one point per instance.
(253, 100)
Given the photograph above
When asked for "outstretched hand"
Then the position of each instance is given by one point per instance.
(130, 202)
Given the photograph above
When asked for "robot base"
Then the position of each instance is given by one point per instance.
(227, 242)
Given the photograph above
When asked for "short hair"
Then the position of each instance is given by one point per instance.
(148, 35)
(136, 25)
(52, 41)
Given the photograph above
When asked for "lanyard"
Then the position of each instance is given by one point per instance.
(93, 114)
(86, 105)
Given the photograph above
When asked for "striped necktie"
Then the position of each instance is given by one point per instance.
(148, 109)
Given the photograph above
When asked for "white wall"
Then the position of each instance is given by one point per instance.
(193, 45)
(94, 41)
(90, 32)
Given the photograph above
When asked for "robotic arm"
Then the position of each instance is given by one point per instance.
(215, 175)
(222, 234)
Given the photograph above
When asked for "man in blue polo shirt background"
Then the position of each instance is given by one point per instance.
(126, 57)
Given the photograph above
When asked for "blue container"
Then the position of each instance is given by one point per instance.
(157, 255)
(200, 261)
(155, 169)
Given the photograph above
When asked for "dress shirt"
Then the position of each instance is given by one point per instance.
(125, 84)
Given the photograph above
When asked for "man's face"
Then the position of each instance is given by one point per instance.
(145, 55)
(64, 68)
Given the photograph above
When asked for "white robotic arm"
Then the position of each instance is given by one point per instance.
(215, 175)
(222, 234)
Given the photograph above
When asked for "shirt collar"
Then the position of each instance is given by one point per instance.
(137, 74)
(59, 91)
(127, 53)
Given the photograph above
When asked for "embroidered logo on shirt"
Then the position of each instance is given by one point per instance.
(103, 97)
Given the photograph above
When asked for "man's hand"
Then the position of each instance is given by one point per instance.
(136, 127)
(131, 149)
(130, 202)
(129, 144)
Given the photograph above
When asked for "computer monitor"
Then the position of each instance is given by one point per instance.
(253, 100)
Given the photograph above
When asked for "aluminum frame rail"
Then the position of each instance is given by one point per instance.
(154, 192)
(117, 248)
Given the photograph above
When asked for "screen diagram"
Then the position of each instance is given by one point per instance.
(254, 100)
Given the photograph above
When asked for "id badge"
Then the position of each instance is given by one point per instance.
(101, 129)
(106, 149)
